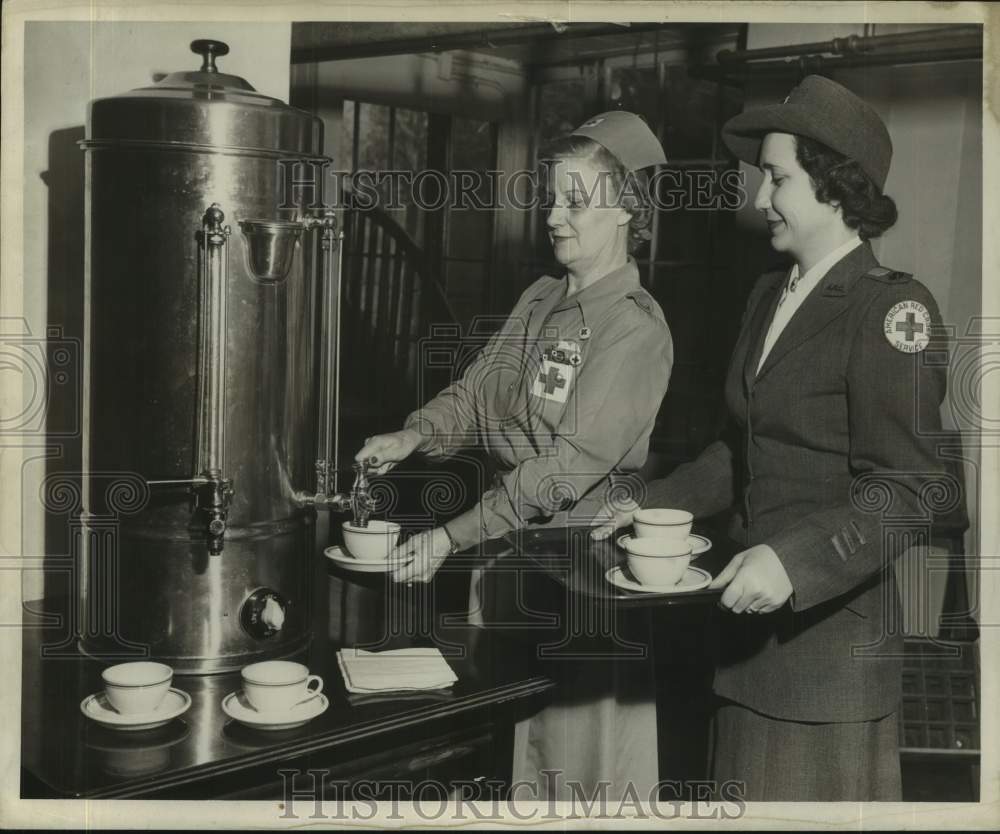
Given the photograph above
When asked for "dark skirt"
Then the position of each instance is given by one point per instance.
(790, 761)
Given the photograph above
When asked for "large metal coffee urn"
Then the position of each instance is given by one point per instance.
(212, 353)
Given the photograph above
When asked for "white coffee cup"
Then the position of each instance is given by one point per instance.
(659, 562)
(373, 543)
(663, 524)
(137, 688)
(278, 685)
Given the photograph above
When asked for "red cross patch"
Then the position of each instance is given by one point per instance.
(907, 326)
(553, 381)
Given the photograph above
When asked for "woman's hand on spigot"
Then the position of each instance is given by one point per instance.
(428, 550)
(383, 451)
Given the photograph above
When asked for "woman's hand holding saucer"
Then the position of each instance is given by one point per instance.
(755, 582)
(428, 550)
(613, 518)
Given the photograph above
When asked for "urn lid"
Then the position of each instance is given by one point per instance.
(204, 109)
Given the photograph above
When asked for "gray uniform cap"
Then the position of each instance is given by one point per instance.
(626, 136)
(822, 110)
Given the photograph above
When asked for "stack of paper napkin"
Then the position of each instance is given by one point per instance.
(394, 670)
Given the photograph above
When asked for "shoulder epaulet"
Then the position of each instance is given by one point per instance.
(641, 299)
(645, 302)
(888, 276)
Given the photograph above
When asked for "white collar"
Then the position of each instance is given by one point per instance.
(819, 269)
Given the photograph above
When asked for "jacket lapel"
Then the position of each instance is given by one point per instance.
(828, 299)
(759, 319)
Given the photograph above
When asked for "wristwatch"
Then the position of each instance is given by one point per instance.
(454, 547)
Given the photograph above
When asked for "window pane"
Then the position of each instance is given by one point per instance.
(684, 235)
(373, 137)
(470, 230)
(691, 107)
(637, 91)
(410, 155)
(346, 161)
(465, 282)
(562, 106)
(471, 144)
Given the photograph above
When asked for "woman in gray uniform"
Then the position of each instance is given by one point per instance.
(831, 464)
(564, 398)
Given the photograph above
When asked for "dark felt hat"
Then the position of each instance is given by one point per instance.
(823, 110)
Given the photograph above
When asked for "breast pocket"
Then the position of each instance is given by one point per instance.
(550, 392)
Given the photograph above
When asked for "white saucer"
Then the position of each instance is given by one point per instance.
(339, 556)
(694, 579)
(699, 544)
(97, 708)
(236, 707)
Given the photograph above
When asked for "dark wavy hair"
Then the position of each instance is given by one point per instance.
(633, 187)
(839, 180)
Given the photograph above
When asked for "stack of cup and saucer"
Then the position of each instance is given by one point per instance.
(136, 696)
(276, 695)
(367, 549)
(659, 555)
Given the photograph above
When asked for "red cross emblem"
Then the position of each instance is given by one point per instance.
(552, 379)
(909, 327)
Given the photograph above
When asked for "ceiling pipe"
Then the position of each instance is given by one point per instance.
(483, 39)
(817, 64)
(855, 45)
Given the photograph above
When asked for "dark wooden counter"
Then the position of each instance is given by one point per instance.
(204, 754)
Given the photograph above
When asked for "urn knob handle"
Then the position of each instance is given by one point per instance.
(209, 51)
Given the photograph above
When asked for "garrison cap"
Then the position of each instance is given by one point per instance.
(626, 136)
(823, 110)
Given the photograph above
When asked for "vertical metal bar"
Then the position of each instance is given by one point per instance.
(327, 334)
(215, 238)
(201, 394)
(223, 336)
(336, 362)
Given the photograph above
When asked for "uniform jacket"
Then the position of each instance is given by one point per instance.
(832, 451)
(563, 397)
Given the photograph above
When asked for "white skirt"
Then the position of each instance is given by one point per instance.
(597, 736)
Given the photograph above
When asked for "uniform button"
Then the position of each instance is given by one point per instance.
(510, 387)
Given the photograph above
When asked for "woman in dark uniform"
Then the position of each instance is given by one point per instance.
(835, 420)
(564, 399)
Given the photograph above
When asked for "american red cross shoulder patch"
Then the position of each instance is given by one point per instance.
(907, 326)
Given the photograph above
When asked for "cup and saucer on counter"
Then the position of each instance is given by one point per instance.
(276, 695)
(660, 554)
(136, 696)
(367, 549)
